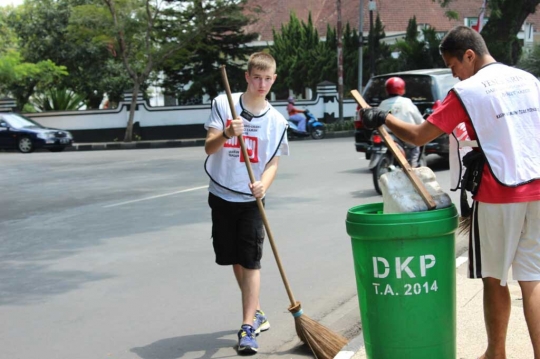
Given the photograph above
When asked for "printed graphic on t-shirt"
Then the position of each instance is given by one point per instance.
(233, 142)
(252, 148)
(251, 143)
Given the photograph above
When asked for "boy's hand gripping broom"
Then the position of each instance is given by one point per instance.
(324, 343)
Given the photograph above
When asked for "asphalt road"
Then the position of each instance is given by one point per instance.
(107, 254)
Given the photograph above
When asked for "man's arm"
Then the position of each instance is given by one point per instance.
(418, 135)
(259, 188)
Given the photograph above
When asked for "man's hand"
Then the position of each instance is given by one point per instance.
(373, 117)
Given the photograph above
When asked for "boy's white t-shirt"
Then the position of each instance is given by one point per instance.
(265, 136)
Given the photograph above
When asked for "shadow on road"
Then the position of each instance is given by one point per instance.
(173, 348)
(299, 350)
(367, 193)
(28, 283)
(437, 163)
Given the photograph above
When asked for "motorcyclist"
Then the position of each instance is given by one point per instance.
(296, 115)
(404, 109)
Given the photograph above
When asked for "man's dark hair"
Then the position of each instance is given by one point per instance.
(460, 39)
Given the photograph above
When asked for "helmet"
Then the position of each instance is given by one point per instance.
(395, 86)
(290, 100)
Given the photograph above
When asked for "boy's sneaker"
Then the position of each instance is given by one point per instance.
(246, 340)
(260, 323)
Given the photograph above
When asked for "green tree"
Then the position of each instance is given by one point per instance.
(505, 21)
(323, 64)
(294, 48)
(8, 37)
(142, 33)
(304, 60)
(42, 30)
(20, 79)
(531, 61)
(350, 59)
(419, 50)
(58, 99)
(193, 72)
(383, 53)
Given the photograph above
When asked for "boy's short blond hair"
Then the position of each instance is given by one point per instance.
(261, 61)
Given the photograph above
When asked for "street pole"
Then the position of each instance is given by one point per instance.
(340, 59)
(372, 7)
(361, 47)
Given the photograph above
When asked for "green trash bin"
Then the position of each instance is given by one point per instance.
(406, 278)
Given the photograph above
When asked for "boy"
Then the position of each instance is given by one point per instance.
(237, 227)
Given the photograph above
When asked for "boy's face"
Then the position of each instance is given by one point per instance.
(464, 68)
(260, 81)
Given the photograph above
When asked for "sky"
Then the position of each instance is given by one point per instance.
(10, 2)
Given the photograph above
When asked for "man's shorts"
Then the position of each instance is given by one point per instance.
(504, 235)
(237, 232)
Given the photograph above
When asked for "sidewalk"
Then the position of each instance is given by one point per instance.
(471, 337)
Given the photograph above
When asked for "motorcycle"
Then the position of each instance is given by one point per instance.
(314, 128)
(381, 159)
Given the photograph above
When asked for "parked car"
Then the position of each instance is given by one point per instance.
(426, 88)
(21, 133)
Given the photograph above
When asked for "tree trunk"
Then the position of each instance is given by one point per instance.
(129, 128)
(501, 30)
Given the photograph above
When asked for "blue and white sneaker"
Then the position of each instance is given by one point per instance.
(246, 340)
(260, 323)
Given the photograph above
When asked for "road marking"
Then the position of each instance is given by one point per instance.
(461, 260)
(154, 197)
(344, 354)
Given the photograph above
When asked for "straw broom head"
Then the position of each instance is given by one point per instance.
(324, 343)
(464, 227)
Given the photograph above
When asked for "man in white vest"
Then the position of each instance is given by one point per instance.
(500, 107)
(237, 228)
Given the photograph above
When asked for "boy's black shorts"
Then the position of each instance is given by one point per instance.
(237, 232)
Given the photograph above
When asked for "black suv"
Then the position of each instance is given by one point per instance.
(426, 88)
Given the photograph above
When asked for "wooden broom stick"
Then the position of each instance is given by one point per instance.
(416, 182)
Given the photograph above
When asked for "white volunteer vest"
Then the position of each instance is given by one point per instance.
(263, 136)
(503, 104)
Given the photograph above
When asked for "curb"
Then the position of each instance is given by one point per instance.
(101, 146)
(194, 142)
(351, 348)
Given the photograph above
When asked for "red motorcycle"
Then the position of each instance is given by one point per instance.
(382, 160)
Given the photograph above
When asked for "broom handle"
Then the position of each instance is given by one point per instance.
(416, 182)
(259, 201)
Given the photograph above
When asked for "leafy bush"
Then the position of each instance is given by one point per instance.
(58, 100)
(345, 125)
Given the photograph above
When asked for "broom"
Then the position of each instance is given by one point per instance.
(324, 343)
(407, 169)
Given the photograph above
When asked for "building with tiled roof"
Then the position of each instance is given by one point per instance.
(394, 14)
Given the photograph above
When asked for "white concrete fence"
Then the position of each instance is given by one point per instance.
(172, 122)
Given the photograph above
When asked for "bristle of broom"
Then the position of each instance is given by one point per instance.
(464, 226)
(324, 343)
